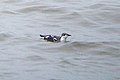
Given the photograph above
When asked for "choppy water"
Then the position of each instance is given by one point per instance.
(92, 53)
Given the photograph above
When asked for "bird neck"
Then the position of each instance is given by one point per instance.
(63, 38)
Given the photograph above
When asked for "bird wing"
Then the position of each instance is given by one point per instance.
(51, 38)
(56, 38)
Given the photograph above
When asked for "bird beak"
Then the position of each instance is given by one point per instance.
(68, 34)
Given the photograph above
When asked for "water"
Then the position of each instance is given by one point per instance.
(91, 53)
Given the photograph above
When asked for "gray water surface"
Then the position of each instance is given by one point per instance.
(91, 53)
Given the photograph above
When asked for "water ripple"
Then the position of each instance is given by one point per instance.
(93, 53)
(43, 9)
(4, 36)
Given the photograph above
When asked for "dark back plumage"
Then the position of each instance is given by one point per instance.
(51, 38)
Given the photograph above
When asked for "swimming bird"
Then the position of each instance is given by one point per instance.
(54, 38)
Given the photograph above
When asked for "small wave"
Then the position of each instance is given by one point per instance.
(96, 6)
(42, 8)
(35, 58)
(11, 1)
(86, 47)
(54, 10)
(28, 9)
(71, 15)
(73, 46)
(82, 45)
(110, 30)
(9, 12)
(4, 36)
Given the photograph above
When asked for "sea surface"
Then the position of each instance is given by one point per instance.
(91, 53)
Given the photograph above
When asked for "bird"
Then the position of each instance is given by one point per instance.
(54, 38)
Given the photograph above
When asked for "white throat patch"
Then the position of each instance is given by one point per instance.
(63, 38)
